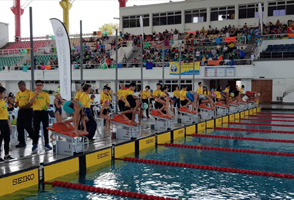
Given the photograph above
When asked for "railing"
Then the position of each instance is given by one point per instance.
(121, 65)
(277, 55)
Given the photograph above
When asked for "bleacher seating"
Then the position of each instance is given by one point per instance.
(27, 45)
(44, 59)
(278, 51)
(9, 61)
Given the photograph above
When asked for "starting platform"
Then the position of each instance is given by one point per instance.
(162, 121)
(187, 116)
(74, 143)
(126, 129)
(221, 109)
(206, 112)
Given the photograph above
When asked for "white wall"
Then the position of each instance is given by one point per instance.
(4, 34)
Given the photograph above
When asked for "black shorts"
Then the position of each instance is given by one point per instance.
(121, 105)
(236, 93)
(131, 101)
(183, 103)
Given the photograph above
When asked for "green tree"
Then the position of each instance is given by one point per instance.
(110, 28)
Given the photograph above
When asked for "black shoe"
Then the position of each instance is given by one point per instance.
(1, 160)
(148, 117)
(7, 158)
(20, 145)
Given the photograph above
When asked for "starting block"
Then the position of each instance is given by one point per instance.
(252, 105)
(222, 109)
(125, 128)
(243, 105)
(187, 116)
(73, 143)
(162, 122)
(234, 107)
(206, 113)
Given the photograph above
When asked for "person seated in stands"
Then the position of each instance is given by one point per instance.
(156, 93)
(76, 110)
(166, 102)
(133, 105)
(104, 113)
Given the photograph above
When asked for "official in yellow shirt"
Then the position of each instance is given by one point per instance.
(146, 94)
(41, 102)
(79, 92)
(85, 100)
(105, 96)
(4, 125)
(120, 96)
(126, 94)
(25, 113)
(176, 97)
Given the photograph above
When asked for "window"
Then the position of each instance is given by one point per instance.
(172, 84)
(195, 16)
(169, 18)
(222, 13)
(281, 8)
(249, 11)
(134, 21)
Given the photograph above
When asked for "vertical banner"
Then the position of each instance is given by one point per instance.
(63, 53)
(260, 17)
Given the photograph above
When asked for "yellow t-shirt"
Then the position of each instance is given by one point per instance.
(105, 97)
(3, 110)
(85, 100)
(205, 93)
(218, 94)
(120, 93)
(176, 94)
(183, 95)
(78, 95)
(41, 101)
(200, 91)
(127, 93)
(162, 94)
(241, 90)
(227, 90)
(156, 93)
(23, 98)
(146, 95)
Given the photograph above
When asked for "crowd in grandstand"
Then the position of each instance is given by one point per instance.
(32, 108)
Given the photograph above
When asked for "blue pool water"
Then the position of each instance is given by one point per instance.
(190, 184)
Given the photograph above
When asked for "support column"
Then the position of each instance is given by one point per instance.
(151, 22)
(183, 20)
(17, 11)
(237, 15)
(66, 6)
(208, 15)
(265, 15)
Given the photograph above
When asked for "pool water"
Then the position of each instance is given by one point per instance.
(186, 183)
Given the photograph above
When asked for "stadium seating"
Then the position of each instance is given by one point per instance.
(278, 51)
(44, 59)
(9, 61)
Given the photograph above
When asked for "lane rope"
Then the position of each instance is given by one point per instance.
(228, 149)
(261, 124)
(267, 120)
(241, 138)
(265, 113)
(121, 193)
(271, 116)
(253, 130)
(212, 168)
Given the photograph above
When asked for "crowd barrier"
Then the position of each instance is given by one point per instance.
(74, 166)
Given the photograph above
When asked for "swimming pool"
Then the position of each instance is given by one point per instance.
(187, 183)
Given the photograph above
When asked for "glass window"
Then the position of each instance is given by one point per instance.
(214, 16)
(290, 10)
(162, 20)
(188, 18)
(133, 23)
(178, 19)
(222, 13)
(155, 21)
(126, 23)
(171, 20)
(196, 17)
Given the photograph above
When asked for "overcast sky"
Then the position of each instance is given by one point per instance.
(94, 14)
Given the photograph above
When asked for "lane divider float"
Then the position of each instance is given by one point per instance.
(241, 138)
(121, 193)
(261, 124)
(265, 113)
(270, 116)
(267, 120)
(227, 149)
(206, 167)
(253, 130)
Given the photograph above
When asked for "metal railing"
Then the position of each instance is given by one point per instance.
(276, 55)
